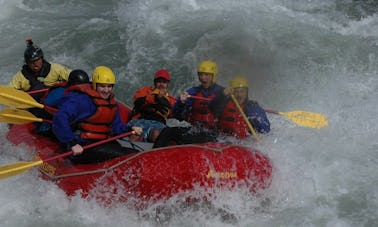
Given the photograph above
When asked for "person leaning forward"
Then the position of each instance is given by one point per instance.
(93, 111)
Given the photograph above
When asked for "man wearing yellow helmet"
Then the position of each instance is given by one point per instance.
(93, 111)
(197, 111)
(230, 120)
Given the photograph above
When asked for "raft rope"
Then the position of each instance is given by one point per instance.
(111, 168)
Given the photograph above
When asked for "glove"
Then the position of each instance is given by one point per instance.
(155, 92)
(184, 96)
(137, 130)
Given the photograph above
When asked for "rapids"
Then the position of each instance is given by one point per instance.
(312, 55)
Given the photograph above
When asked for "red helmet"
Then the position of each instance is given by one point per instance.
(162, 73)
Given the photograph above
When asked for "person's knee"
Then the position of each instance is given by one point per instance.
(154, 133)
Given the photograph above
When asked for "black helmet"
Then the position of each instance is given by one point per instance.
(32, 53)
(77, 76)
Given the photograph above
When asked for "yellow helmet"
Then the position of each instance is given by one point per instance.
(239, 81)
(102, 75)
(208, 67)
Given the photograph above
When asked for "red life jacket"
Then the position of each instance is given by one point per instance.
(97, 126)
(150, 109)
(201, 114)
(232, 122)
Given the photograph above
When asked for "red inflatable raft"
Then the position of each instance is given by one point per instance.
(151, 173)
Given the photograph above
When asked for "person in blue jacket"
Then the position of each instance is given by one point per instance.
(55, 93)
(230, 119)
(89, 113)
(195, 110)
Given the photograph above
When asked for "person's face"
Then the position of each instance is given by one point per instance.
(104, 90)
(241, 94)
(206, 79)
(36, 65)
(161, 84)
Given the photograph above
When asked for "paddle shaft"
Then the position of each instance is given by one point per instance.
(20, 99)
(196, 97)
(200, 98)
(90, 146)
(19, 116)
(272, 111)
(244, 116)
(48, 108)
(20, 167)
(38, 91)
(209, 99)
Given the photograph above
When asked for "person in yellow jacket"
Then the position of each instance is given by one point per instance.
(37, 73)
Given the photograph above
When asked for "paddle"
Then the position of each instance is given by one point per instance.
(303, 118)
(200, 98)
(38, 91)
(300, 117)
(244, 116)
(19, 99)
(20, 167)
(17, 116)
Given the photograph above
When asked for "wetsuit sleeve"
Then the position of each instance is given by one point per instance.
(74, 107)
(54, 96)
(19, 82)
(257, 117)
(181, 110)
(57, 73)
(117, 126)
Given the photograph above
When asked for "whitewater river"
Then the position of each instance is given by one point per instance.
(314, 55)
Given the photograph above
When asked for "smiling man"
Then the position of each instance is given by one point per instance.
(196, 111)
(89, 113)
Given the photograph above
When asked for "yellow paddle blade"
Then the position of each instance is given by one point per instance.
(16, 116)
(307, 119)
(19, 99)
(17, 168)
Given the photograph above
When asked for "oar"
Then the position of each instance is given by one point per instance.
(199, 98)
(303, 118)
(38, 91)
(20, 167)
(194, 97)
(300, 117)
(19, 99)
(244, 116)
(18, 116)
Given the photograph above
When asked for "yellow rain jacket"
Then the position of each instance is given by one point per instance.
(54, 73)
